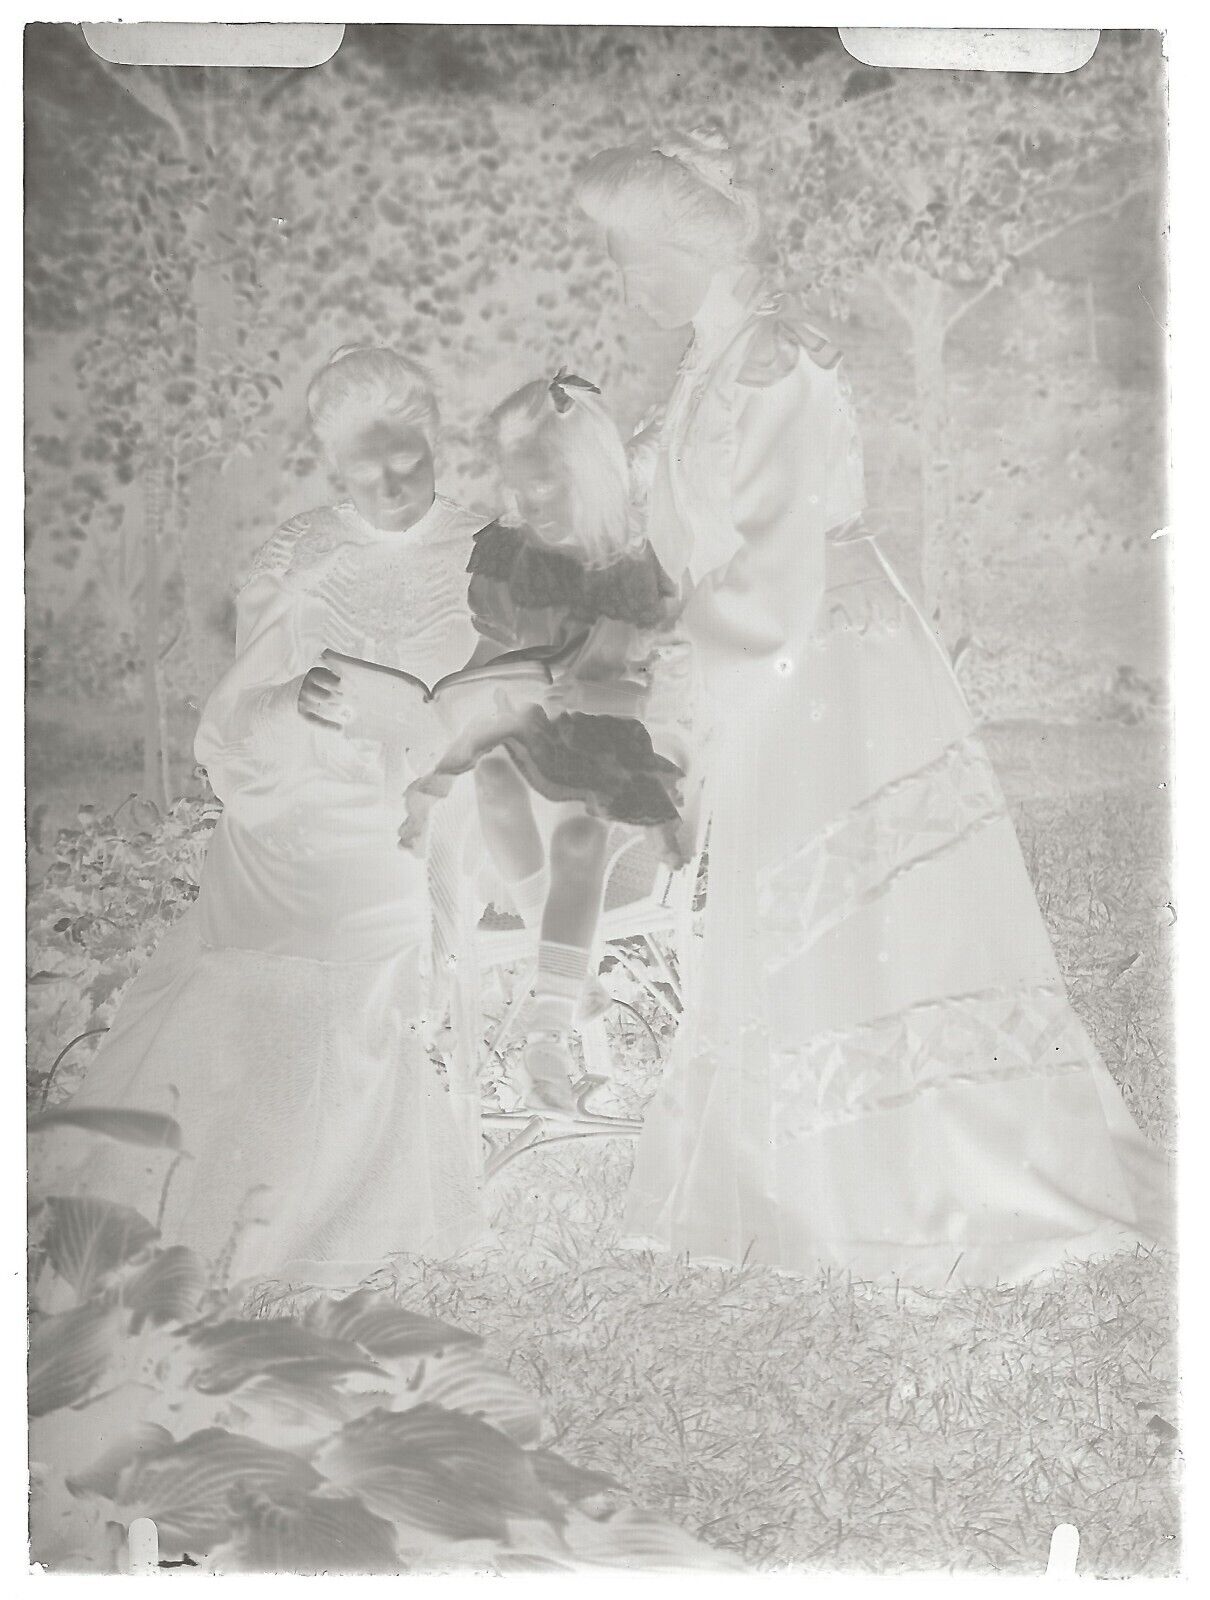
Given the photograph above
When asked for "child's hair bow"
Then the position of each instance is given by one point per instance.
(564, 380)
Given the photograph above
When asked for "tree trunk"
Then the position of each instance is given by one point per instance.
(1090, 318)
(204, 551)
(218, 499)
(940, 579)
(155, 777)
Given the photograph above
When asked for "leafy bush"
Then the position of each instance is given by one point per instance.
(114, 884)
(117, 881)
(355, 1435)
(418, 187)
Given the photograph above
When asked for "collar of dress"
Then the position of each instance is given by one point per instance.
(731, 301)
(432, 519)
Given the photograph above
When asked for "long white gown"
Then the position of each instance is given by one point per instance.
(880, 1070)
(283, 1020)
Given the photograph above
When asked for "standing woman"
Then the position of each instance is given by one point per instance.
(282, 1021)
(879, 1068)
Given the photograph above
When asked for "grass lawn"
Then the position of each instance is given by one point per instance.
(834, 1425)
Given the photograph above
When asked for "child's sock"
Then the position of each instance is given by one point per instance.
(549, 1064)
(562, 971)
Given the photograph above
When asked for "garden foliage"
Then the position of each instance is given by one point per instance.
(354, 1435)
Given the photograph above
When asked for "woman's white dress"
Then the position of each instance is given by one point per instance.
(283, 1021)
(879, 1070)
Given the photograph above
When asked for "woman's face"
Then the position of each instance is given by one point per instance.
(386, 468)
(539, 488)
(663, 281)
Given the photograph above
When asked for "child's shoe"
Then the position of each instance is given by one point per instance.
(546, 1067)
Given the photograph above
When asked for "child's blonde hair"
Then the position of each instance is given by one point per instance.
(360, 383)
(568, 417)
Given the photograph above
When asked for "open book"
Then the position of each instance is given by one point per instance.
(534, 664)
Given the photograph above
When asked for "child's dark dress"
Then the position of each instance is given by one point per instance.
(525, 592)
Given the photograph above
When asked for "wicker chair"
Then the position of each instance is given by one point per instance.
(643, 900)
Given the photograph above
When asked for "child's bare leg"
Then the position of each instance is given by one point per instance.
(579, 856)
(579, 850)
(506, 816)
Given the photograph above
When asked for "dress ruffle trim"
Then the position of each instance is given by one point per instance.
(633, 589)
(607, 764)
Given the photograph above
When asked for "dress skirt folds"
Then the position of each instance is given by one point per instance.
(320, 1138)
(607, 764)
(285, 1022)
(882, 1072)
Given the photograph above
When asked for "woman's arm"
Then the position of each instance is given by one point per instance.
(607, 677)
(796, 474)
(251, 726)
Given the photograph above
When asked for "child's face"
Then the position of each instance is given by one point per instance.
(540, 488)
(386, 468)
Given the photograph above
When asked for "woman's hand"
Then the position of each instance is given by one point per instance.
(621, 696)
(321, 698)
(557, 697)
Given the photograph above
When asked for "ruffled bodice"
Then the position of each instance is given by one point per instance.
(306, 859)
(524, 592)
(757, 435)
(514, 573)
(397, 598)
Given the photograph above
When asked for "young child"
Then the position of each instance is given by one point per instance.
(567, 563)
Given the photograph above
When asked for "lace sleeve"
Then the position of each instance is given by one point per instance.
(642, 455)
(272, 560)
(250, 724)
(297, 547)
(774, 348)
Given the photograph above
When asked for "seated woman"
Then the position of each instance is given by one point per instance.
(569, 567)
(281, 1022)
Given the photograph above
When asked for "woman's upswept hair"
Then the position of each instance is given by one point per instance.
(573, 424)
(680, 192)
(361, 383)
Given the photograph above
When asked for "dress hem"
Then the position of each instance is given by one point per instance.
(969, 1266)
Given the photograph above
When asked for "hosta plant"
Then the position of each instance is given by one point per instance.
(353, 1436)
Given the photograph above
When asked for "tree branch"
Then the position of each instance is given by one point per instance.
(1056, 232)
(150, 96)
(1090, 215)
(893, 297)
(995, 282)
(888, 174)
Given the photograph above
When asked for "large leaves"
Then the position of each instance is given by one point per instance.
(144, 1442)
(639, 1540)
(130, 1127)
(188, 1489)
(169, 1288)
(464, 1380)
(65, 1534)
(442, 1365)
(68, 1355)
(223, 1355)
(306, 1533)
(384, 1328)
(296, 1412)
(569, 1481)
(438, 1471)
(88, 1239)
